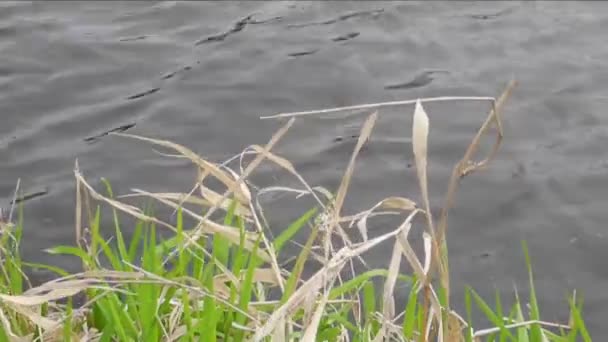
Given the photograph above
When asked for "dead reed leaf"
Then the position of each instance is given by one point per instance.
(133, 211)
(465, 166)
(211, 198)
(366, 131)
(388, 307)
(287, 165)
(420, 133)
(32, 300)
(310, 334)
(202, 163)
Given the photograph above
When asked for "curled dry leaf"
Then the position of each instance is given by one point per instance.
(400, 203)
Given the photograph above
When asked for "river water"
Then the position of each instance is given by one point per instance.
(201, 74)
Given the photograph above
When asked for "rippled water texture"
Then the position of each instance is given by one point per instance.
(201, 74)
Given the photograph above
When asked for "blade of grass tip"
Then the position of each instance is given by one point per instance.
(534, 311)
(135, 240)
(70, 250)
(95, 236)
(522, 332)
(120, 242)
(468, 307)
(578, 321)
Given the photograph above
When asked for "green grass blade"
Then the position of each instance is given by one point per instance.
(61, 272)
(409, 321)
(292, 230)
(369, 301)
(247, 287)
(522, 333)
(122, 249)
(358, 281)
(495, 319)
(578, 321)
(500, 315)
(469, 308)
(135, 240)
(535, 329)
(74, 251)
(292, 281)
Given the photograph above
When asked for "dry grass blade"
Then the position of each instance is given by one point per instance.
(287, 165)
(203, 164)
(258, 159)
(420, 133)
(366, 131)
(39, 320)
(389, 288)
(134, 211)
(319, 279)
(260, 275)
(465, 166)
(31, 300)
(210, 227)
(489, 331)
(368, 106)
(400, 203)
(211, 198)
(310, 334)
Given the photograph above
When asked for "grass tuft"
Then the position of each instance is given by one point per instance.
(224, 277)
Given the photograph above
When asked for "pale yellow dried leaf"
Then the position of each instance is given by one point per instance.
(230, 233)
(420, 132)
(211, 198)
(310, 334)
(41, 299)
(212, 168)
(400, 203)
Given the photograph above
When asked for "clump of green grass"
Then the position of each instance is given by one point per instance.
(222, 280)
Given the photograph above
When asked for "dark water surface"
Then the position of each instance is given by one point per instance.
(202, 74)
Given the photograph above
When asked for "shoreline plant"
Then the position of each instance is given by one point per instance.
(225, 280)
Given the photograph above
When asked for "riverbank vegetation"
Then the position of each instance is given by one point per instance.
(226, 277)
